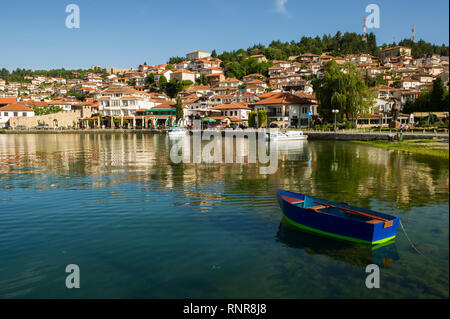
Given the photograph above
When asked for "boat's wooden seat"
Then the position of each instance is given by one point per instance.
(293, 200)
(315, 208)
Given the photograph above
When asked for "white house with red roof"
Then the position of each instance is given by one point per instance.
(167, 74)
(184, 75)
(409, 83)
(287, 107)
(241, 96)
(143, 67)
(237, 110)
(14, 110)
(230, 83)
(256, 86)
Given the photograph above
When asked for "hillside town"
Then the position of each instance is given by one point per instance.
(133, 98)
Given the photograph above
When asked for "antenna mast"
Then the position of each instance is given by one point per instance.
(364, 30)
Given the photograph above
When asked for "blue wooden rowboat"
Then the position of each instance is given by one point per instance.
(337, 220)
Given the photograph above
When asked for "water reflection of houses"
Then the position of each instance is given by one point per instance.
(361, 170)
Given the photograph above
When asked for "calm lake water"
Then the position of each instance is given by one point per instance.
(140, 226)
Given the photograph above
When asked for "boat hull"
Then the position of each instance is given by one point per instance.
(288, 136)
(177, 133)
(291, 138)
(337, 226)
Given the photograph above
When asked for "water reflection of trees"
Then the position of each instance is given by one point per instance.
(335, 170)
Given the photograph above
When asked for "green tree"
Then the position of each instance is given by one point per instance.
(252, 119)
(179, 109)
(149, 79)
(437, 96)
(344, 90)
(422, 103)
(175, 86)
(44, 110)
(162, 82)
(176, 59)
(201, 80)
(78, 96)
(433, 100)
(408, 107)
(262, 118)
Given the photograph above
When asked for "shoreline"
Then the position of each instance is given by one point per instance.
(437, 148)
(351, 135)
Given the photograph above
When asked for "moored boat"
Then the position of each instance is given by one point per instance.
(337, 220)
(288, 136)
(178, 131)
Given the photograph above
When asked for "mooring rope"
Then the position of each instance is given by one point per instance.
(407, 237)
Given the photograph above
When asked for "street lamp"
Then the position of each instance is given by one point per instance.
(335, 111)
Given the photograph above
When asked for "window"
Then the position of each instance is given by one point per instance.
(15, 113)
(24, 114)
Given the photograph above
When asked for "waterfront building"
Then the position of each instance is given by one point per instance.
(164, 114)
(289, 108)
(124, 101)
(14, 110)
(237, 110)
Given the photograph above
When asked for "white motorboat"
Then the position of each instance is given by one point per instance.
(288, 136)
(178, 132)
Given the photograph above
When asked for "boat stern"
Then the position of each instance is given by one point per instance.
(385, 231)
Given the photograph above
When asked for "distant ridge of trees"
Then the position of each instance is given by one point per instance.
(422, 47)
(18, 75)
(337, 45)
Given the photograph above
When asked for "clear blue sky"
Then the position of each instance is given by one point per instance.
(127, 33)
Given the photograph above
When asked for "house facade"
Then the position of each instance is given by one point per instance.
(289, 108)
(123, 101)
(197, 55)
(14, 110)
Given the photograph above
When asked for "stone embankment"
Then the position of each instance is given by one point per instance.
(371, 136)
(312, 135)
